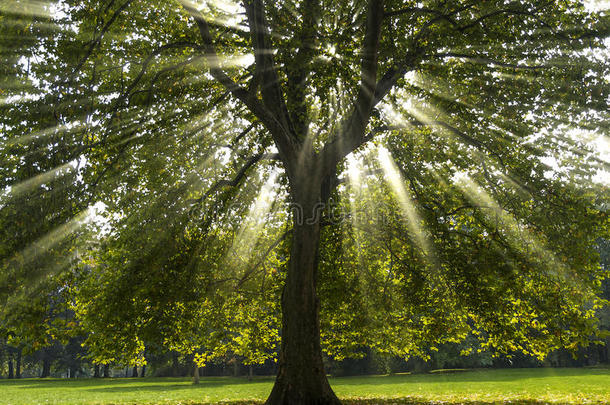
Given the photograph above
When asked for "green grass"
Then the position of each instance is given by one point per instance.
(525, 386)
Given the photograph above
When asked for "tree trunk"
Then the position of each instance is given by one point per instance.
(175, 365)
(235, 367)
(195, 373)
(46, 365)
(301, 377)
(18, 365)
(106, 370)
(143, 373)
(10, 368)
(134, 373)
(96, 371)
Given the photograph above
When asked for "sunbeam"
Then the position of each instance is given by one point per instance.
(246, 239)
(41, 179)
(30, 8)
(53, 238)
(405, 200)
(518, 235)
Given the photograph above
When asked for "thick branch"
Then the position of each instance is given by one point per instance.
(265, 69)
(274, 123)
(298, 68)
(352, 133)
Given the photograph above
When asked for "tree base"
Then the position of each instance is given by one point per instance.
(300, 394)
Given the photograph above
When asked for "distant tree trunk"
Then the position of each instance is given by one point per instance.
(18, 365)
(134, 373)
(301, 378)
(235, 367)
(604, 351)
(10, 368)
(73, 371)
(46, 366)
(250, 372)
(143, 373)
(195, 373)
(96, 371)
(175, 365)
(106, 370)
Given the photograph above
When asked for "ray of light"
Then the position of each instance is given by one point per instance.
(30, 8)
(422, 112)
(43, 178)
(438, 87)
(53, 238)
(232, 12)
(244, 243)
(405, 200)
(518, 234)
(354, 194)
(65, 128)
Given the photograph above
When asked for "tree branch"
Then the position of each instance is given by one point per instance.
(265, 70)
(97, 40)
(351, 135)
(298, 68)
(241, 173)
(273, 123)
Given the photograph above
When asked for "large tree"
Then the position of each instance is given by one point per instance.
(165, 109)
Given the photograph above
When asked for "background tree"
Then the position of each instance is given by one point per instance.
(173, 116)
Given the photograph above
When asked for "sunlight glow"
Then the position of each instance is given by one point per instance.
(31, 8)
(43, 178)
(54, 237)
(405, 200)
(252, 225)
(518, 235)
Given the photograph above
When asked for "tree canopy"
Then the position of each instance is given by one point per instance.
(282, 178)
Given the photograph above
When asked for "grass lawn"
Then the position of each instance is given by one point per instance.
(525, 386)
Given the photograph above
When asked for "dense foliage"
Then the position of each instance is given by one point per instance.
(445, 143)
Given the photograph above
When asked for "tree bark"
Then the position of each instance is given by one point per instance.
(301, 378)
(195, 373)
(18, 364)
(143, 373)
(175, 365)
(235, 367)
(10, 368)
(46, 365)
(134, 373)
(106, 370)
(96, 371)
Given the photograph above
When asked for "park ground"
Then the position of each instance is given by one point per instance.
(515, 386)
